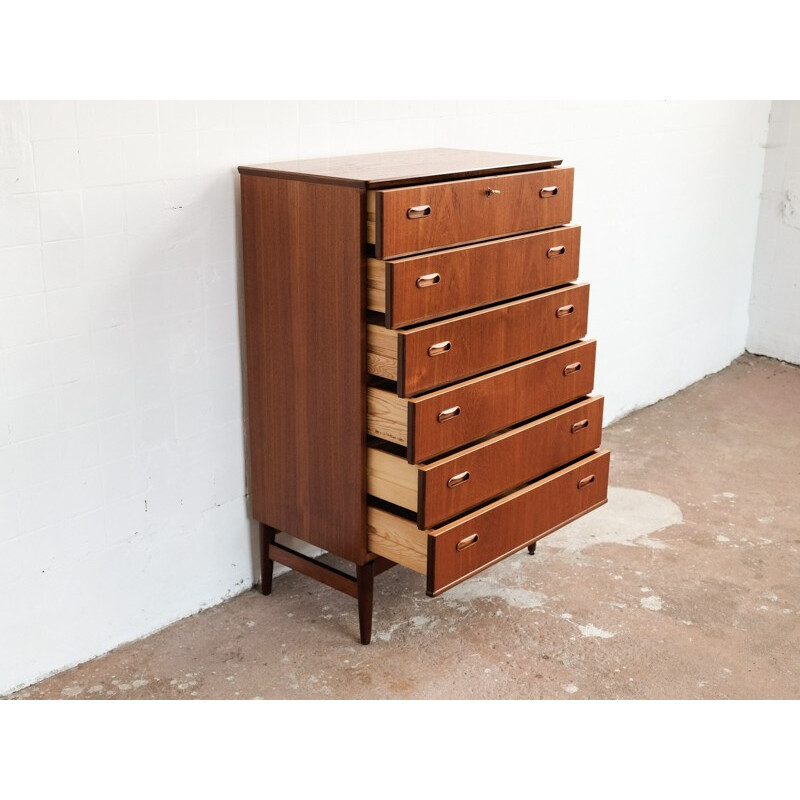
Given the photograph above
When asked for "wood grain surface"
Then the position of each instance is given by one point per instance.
(387, 416)
(495, 401)
(390, 477)
(454, 552)
(472, 276)
(462, 211)
(506, 461)
(382, 352)
(402, 167)
(438, 491)
(514, 521)
(304, 274)
(482, 340)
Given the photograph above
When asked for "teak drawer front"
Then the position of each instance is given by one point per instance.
(420, 288)
(454, 552)
(443, 352)
(418, 218)
(450, 418)
(451, 486)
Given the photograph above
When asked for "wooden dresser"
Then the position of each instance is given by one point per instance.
(418, 381)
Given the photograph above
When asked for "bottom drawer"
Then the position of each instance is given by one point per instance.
(454, 552)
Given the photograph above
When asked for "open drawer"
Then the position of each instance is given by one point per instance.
(444, 420)
(433, 355)
(456, 551)
(412, 290)
(450, 486)
(413, 219)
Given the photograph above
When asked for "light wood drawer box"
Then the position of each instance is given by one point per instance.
(458, 415)
(417, 218)
(422, 358)
(453, 552)
(419, 288)
(452, 485)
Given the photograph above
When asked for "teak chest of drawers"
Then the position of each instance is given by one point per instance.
(418, 377)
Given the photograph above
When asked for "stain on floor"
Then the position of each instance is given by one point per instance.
(685, 585)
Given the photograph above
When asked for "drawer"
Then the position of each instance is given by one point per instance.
(453, 552)
(422, 358)
(451, 486)
(450, 418)
(417, 218)
(416, 289)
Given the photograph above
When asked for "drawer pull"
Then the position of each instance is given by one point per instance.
(490, 192)
(467, 542)
(585, 481)
(579, 426)
(548, 191)
(571, 369)
(564, 311)
(439, 348)
(457, 480)
(449, 413)
(428, 280)
(415, 212)
(555, 252)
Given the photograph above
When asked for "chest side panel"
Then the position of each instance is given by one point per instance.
(304, 279)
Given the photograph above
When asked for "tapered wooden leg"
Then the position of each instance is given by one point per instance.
(532, 548)
(267, 537)
(365, 578)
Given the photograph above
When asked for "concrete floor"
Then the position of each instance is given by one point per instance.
(685, 585)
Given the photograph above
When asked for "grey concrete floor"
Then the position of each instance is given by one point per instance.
(685, 585)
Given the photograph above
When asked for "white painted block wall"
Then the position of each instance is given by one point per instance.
(775, 302)
(122, 481)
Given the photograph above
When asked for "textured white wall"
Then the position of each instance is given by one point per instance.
(775, 302)
(122, 486)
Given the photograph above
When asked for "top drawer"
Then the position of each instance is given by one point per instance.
(418, 218)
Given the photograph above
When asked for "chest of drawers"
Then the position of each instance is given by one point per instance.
(418, 377)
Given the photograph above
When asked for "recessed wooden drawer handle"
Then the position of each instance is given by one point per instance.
(449, 413)
(467, 542)
(555, 252)
(428, 280)
(439, 348)
(548, 191)
(564, 311)
(585, 481)
(415, 212)
(457, 480)
(579, 426)
(572, 368)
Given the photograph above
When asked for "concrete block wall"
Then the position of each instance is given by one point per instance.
(775, 302)
(122, 482)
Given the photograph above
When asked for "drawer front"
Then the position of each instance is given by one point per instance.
(419, 218)
(453, 485)
(475, 542)
(454, 552)
(444, 352)
(424, 287)
(451, 418)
